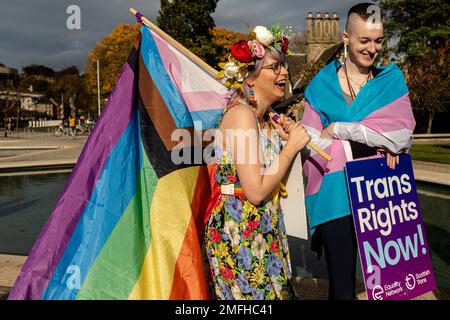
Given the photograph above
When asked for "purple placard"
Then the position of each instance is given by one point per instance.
(393, 248)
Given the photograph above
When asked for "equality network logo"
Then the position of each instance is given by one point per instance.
(373, 282)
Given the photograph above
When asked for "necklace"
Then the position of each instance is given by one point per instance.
(359, 84)
(350, 87)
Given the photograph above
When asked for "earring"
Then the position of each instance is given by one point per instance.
(345, 51)
(251, 92)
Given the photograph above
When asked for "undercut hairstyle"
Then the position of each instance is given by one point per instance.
(362, 10)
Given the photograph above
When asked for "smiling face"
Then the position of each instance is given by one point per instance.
(364, 40)
(270, 83)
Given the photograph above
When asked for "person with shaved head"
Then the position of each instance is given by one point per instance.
(354, 110)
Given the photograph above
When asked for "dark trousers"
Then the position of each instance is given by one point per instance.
(340, 246)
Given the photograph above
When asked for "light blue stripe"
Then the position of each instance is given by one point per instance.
(321, 89)
(110, 198)
(325, 95)
(208, 118)
(384, 89)
(163, 82)
(330, 203)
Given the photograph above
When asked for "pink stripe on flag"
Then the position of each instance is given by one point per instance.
(383, 121)
(208, 98)
(170, 60)
(339, 157)
(311, 118)
(314, 173)
(199, 101)
(316, 167)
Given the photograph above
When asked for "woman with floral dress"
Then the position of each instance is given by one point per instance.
(245, 237)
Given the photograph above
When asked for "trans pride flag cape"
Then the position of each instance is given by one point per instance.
(380, 116)
(127, 224)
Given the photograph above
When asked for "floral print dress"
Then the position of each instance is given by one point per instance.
(246, 245)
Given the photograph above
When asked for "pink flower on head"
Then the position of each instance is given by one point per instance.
(257, 49)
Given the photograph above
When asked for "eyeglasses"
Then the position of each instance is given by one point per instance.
(276, 67)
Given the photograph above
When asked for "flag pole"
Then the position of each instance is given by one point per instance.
(200, 62)
(173, 42)
(320, 151)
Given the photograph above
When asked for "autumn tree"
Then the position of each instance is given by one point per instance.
(70, 83)
(38, 70)
(418, 31)
(428, 83)
(224, 39)
(9, 100)
(190, 23)
(112, 52)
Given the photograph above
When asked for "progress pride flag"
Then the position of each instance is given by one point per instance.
(392, 244)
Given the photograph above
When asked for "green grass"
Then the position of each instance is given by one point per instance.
(439, 153)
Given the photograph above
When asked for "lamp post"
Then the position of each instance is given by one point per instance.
(98, 86)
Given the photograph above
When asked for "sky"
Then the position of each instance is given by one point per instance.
(35, 31)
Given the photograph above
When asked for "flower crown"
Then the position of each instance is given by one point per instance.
(245, 53)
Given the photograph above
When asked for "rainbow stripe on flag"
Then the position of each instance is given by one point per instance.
(128, 223)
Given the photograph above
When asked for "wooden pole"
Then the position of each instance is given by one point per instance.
(320, 151)
(98, 88)
(176, 44)
(202, 63)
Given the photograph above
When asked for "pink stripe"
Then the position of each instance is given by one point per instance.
(393, 117)
(316, 167)
(204, 100)
(315, 177)
(311, 118)
(169, 59)
(339, 157)
(195, 101)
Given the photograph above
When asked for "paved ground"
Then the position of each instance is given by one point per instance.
(431, 140)
(432, 172)
(307, 288)
(38, 150)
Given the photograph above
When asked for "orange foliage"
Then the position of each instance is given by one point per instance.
(112, 51)
(224, 38)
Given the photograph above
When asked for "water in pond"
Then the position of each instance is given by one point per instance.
(26, 202)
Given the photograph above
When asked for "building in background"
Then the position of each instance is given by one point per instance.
(322, 42)
(11, 97)
(322, 33)
(8, 76)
